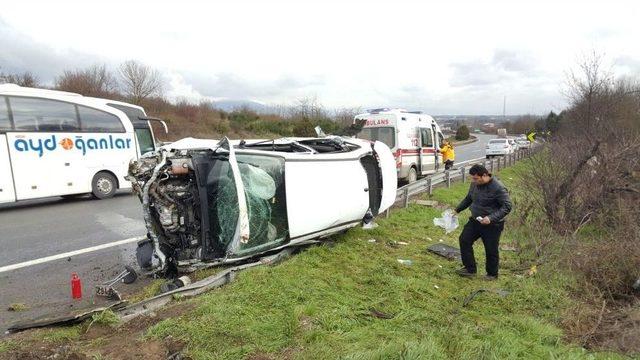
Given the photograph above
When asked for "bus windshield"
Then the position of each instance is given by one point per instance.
(383, 134)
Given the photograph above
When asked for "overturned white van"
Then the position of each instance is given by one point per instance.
(223, 201)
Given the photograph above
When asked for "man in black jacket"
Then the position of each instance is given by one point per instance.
(489, 203)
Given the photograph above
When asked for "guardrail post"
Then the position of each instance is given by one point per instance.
(429, 186)
(492, 166)
(387, 213)
(406, 197)
(463, 174)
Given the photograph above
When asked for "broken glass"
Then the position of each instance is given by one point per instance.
(263, 181)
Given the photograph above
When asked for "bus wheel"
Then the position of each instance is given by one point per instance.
(413, 175)
(103, 185)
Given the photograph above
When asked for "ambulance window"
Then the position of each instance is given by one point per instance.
(440, 138)
(427, 138)
(5, 122)
(383, 134)
(30, 114)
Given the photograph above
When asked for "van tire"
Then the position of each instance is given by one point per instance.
(104, 185)
(412, 176)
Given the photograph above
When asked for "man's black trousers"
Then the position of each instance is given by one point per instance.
(490, 235)
(448, 164)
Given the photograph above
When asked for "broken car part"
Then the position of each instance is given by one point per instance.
(446, 251)
(106, 289)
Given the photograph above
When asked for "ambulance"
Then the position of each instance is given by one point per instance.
(413, 137)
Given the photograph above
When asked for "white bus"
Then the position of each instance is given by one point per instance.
(55, 143)
(413, 137)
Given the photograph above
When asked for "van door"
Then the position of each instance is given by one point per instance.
(438, 140)
(427, 150)
(7, 192)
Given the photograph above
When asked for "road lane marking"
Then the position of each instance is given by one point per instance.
(69, 254)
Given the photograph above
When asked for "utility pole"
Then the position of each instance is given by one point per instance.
(504, 109)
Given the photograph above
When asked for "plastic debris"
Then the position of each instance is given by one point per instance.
(369, 226)
(533, 270)
(405, 262)
(448, 221)
(372, 240)
(402, 243)
(436, 286)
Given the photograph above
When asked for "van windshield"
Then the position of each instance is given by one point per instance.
(386, 135)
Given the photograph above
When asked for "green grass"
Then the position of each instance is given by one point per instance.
(317, 304)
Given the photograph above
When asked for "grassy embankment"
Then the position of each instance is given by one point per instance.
(319, 304)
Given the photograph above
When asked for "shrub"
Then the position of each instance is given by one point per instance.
(462, 133)
(609, 265)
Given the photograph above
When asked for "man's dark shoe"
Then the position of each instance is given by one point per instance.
(490, 278)
(465, 273)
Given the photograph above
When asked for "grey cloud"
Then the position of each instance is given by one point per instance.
(21, 53)
(232, 86)
(505, 65)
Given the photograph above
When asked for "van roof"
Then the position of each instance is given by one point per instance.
(392, 111)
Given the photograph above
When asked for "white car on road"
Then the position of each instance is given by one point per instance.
(223, 201)
(498, 147)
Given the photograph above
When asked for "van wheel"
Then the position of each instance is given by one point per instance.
(413, 175)
(103, 185)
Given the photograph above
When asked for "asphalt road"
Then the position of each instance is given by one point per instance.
(36, 229)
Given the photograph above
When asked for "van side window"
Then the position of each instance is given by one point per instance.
(427, 138)
(5, 122)
(93, 120)
(31, 114)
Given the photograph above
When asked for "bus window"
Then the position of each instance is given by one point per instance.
(93, 120)
(30, 114)
(132, 113)
(5, 122)
(383, 134)
(145, 140)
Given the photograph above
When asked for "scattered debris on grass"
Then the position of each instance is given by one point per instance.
(430, 203)
(17, 307)
(379, 314)
(446, 251)
(499, 292)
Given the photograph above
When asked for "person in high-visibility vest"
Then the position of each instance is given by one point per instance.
(448, 154)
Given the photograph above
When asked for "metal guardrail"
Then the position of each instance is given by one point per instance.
(427, 183)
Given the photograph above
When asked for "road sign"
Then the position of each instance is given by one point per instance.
(531, 136)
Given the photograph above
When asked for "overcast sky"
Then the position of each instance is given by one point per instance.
(453, 57)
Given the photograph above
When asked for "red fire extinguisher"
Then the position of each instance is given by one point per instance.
(76, 286)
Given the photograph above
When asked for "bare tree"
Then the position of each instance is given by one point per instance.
(93, 81)
(25, 79)
(139, 81)
(593, 156)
